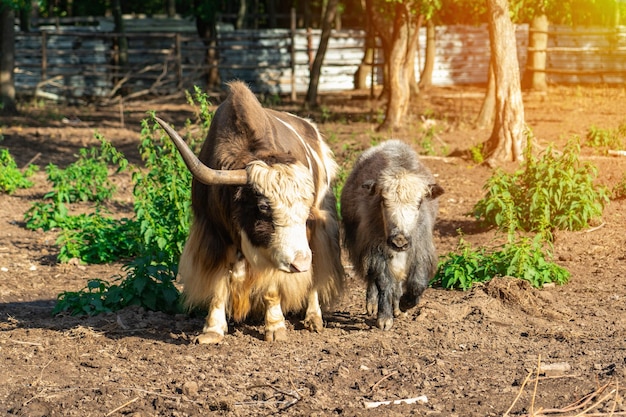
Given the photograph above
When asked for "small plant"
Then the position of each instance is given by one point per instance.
(326, 115)
(11, 178)
(619, 190)
(162, 195)
(522, 258)
(605, 138)
(97, 239)
(85, 180)
(553, 192)
(148, 284)
(476, 153)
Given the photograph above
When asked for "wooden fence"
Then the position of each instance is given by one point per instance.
(81, 63)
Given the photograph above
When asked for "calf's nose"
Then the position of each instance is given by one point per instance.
(399, 242)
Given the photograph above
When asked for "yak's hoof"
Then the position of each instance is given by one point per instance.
(209, 338)
(384, 323)
(277, 335)
(371, 308)
(314, 323)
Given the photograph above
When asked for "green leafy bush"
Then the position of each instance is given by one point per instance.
(605, 138)
(11, 178)
(162, 192)
(96, 239)
(524, 259)
(86, 180)
(555, 191)
(149, 284)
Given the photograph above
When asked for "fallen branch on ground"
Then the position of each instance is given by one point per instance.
(373, 404)
(581, 407)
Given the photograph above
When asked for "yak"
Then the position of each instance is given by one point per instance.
(264, 236)
(389, 204)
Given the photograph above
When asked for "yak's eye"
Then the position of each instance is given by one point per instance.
(264, 207)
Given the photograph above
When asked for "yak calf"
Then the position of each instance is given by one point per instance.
(389, 205)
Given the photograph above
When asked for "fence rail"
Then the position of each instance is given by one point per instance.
(83, 62)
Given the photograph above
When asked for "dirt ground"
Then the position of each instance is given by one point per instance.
(498, 348)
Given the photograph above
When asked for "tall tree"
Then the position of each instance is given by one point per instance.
(487, 111)
(327, 24)
(426, 76)
(397, 24)
(508, 138)
(206, 25)
(7, 59)
(120, 30)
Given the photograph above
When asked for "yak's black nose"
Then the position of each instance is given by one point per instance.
(399, 242)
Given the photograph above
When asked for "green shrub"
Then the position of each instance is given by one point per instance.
(605, 138)
(162, 192)
(97, 239)
(523, 258)
(555, 191)
(11, 178)
(149, 283)
(86, 180)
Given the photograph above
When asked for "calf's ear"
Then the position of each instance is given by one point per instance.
(370, 186)
(434, 190)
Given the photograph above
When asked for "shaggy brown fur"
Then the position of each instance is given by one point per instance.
(238, 256)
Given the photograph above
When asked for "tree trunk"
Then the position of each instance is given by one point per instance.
(508, 140)
(120, 30)
(535, 76)
(7, 60)
(414, 87)
(206, 28)
(171, 8)
(365, 69)
(426, 77)
(396, 47)
(487, 111)
(327, 23)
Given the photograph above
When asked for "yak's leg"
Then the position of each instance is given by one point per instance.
(397, 294)
(274, 320)
(385, 285)
(216, 325)
(371, 297)
(417, 282)
(313, 318)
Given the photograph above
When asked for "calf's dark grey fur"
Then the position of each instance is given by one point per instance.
(389, 204)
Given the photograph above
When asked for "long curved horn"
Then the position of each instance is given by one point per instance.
(200, 171)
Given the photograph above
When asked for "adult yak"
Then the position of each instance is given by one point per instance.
(264, 237)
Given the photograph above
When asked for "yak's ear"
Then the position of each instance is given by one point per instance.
(369, 185)
(435, 190)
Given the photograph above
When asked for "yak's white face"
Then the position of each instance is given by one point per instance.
(401, 193)
(276, 236)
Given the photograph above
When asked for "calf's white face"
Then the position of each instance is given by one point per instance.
(401, 194)
(274, 232)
